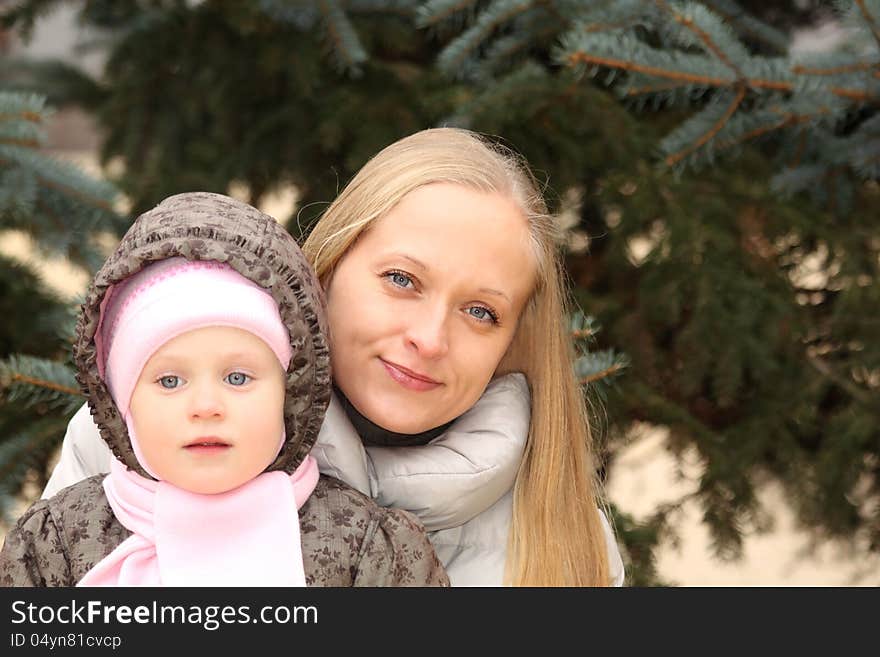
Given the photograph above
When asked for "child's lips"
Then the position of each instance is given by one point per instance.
(208, 444)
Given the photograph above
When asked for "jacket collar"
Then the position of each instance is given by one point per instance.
(452, 479)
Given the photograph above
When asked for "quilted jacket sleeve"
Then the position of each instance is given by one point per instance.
(33, 553)
(396, 552)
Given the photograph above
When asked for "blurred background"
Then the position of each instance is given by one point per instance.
(713, 165)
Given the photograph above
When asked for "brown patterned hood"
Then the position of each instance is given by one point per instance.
(205, 226)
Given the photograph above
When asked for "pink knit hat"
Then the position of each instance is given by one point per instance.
(167, 299)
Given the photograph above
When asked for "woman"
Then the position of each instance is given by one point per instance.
(455, 394)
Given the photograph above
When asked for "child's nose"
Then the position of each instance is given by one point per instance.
(207, 401)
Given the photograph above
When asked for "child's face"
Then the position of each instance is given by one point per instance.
(208, 409)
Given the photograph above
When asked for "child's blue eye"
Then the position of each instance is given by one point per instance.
(169, 382)
(237, 378)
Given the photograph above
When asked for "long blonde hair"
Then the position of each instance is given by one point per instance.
(556, 536)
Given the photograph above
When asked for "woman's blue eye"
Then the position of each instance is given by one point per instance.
(398, 279)
(169, 382)
(237, 378)
(482, 314)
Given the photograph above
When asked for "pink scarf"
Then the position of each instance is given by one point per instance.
(248, 536)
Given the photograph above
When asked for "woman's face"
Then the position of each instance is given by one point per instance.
(424, 305)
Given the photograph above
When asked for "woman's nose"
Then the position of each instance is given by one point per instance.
(428, 332)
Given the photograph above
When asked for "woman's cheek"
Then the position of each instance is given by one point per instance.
(389, 314)
(486, 355)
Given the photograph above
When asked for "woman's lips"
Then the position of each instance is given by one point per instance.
(409, 379)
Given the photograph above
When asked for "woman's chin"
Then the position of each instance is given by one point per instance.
(404, 426)
(399, 413)
(399, 421)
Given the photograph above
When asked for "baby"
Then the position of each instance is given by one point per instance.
(202, 350)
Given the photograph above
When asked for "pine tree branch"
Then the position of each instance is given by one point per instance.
(788, 119)
(608, 371)
(869, 19)
(653, 88)
(341, 33)
(45, 209)
(659, 409)
(876, 158)
(455, 54)
(33, 117)
(610, 62)
(745, 26)
(27, 143)
(836, 70)
(703, 36)
(68, 191)
(706, 80)
(801, 149)
(42, 383)
(855, 392)
(853, 94)
(326, 10)
(443, 15)
(537, 37)
(604, 27)
(831, 177)
(719, 124)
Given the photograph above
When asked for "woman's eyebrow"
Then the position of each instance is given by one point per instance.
(497, 293)
(418, 263)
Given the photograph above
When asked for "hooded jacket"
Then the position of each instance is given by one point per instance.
(347, 539)
(460, 484)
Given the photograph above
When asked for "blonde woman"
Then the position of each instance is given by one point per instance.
(454, 392)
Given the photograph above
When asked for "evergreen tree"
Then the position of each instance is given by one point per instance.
(63, 211)
(276, 92)
(746, 313)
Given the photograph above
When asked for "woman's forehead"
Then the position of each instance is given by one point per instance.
(438, 209)
(450, 229)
